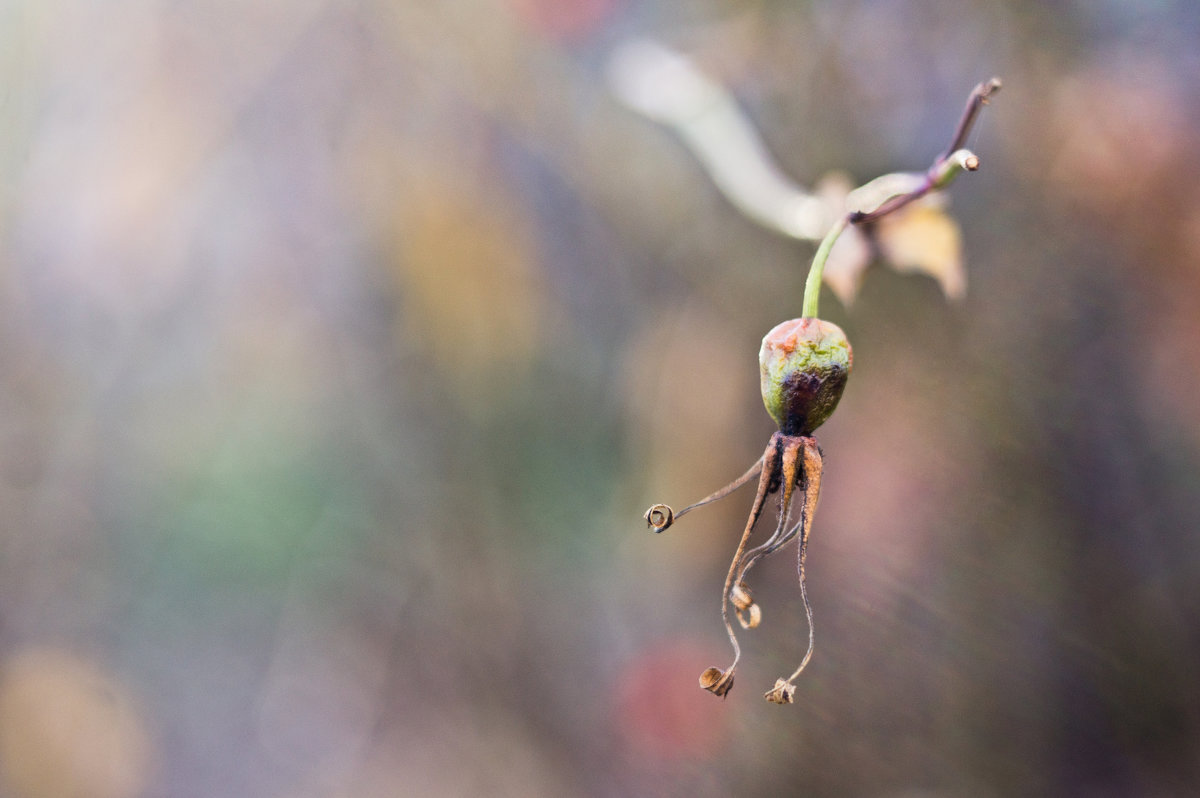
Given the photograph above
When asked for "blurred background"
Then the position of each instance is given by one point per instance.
(343, 344)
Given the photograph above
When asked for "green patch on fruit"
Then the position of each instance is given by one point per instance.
(804, 364)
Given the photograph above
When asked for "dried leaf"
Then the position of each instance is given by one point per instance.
(923, 239)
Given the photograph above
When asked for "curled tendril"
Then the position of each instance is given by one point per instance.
(660, 517)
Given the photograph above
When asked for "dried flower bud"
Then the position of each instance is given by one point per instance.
(781, 693)
(804, 365)
(716, 681)
(659, 517)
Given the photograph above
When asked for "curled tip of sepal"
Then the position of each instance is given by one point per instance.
(659, 517)
(751, 617)
(782, 693)
(717, 681)
(804, 364)
(748, 613)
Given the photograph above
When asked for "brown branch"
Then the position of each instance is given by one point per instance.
(979, 98)
(945, 165)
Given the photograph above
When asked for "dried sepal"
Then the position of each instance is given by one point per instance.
(717, 681)
(782, 693)
(659, 517)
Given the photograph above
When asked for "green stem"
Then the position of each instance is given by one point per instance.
(812, 287)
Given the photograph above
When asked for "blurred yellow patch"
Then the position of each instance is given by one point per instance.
(460, 250)
(920, 238)
(688, 383)
(923, 239)
(468, 280)
(68, 731)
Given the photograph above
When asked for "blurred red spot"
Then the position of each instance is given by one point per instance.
(661, 712)
(564, 19)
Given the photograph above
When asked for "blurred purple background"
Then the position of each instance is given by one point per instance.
(342, 345)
